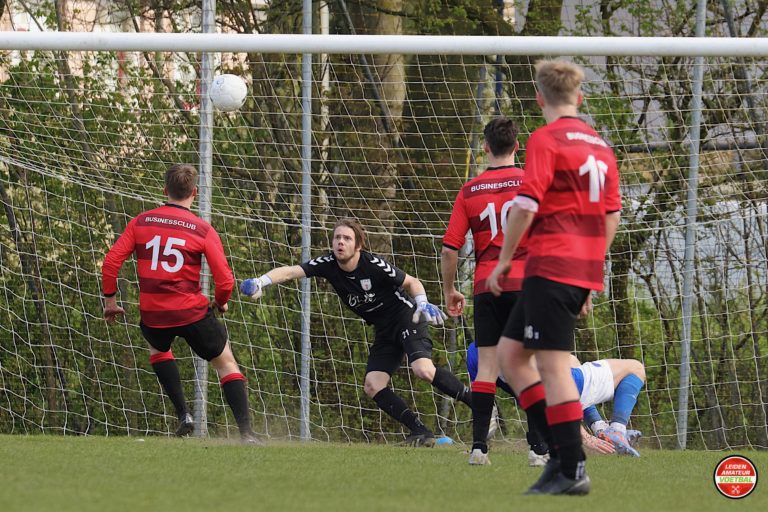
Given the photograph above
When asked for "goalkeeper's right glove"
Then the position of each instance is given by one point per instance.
(255, 286)
(430, 312)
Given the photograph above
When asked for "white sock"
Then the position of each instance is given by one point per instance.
(598, 426)
(619, 427)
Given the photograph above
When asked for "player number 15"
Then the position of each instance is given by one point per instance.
(169, 250)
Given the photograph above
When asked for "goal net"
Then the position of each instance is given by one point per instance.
(85, 138)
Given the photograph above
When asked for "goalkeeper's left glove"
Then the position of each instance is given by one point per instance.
(254, 287)
(432, 313)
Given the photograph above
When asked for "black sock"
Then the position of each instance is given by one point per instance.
(535, 439)
(567, 436)
(536, 443)
(537, 419)
(447, 383)
(565, 424)
(393, 405)
(168, 374)
(482, 408)
(237, 398)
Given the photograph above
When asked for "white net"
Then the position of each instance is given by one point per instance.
(85, 139)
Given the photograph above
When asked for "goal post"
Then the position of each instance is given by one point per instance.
(89, 122)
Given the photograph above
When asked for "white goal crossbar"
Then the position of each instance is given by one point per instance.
(388, 44)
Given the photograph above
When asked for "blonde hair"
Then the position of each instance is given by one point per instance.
(559, 81)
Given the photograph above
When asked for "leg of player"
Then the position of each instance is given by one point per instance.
(233, 385)
(628, 379)
(164, 365)
(564, 415)
(442, 379)
(538, 453)
(518, 367)
(377, 387)
(483, 395)
(594, 419)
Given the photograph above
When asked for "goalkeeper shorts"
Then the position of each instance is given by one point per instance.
(397, 339)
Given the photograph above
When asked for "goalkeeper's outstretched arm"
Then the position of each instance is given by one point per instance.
(254, 287)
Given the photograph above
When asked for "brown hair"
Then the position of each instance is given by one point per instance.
(180, 181)
(355, 226)
(559, 81)
(501, 136)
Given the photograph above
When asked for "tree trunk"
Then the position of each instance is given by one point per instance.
(30, 266)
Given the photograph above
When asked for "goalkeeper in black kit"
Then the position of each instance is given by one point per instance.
(397, 306)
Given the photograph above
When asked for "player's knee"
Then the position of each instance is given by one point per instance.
(225, 361)
(637, 368)
(546, 372)
(514, 355)
(371, 388)
(424, 374)
(424, 369)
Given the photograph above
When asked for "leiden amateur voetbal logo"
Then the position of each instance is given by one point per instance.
(735, 477)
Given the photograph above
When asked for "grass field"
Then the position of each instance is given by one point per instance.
(115, 474)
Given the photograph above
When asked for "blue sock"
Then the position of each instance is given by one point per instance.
(591, 415)
(625, 398)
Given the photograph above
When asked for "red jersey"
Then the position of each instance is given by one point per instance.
(571, 172)
(169, 243)
(482, 205)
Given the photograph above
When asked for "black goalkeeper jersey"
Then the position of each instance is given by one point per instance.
(373, 290)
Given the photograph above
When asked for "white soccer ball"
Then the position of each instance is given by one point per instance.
(228, 92)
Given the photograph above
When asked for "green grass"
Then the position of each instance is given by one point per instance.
(115, 474)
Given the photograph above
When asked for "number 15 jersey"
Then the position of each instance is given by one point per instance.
(169, 243)
(482, 205)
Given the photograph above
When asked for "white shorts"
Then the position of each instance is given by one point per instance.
(598, 383)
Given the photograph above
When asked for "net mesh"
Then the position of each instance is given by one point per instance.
(86, 137)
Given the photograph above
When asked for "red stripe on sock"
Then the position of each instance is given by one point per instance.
(565, 412)
(160, 357)
(231, 377)
(484, 387)
(531, 395)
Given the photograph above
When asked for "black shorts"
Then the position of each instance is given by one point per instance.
(207, 337)
(545, 317)
(491, 315)
(402, 336)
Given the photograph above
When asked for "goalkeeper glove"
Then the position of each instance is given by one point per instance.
(254, 287)
(432, 313)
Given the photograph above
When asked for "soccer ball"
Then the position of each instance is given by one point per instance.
(228, 92)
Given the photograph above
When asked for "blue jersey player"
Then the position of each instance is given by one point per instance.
(619, 380)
